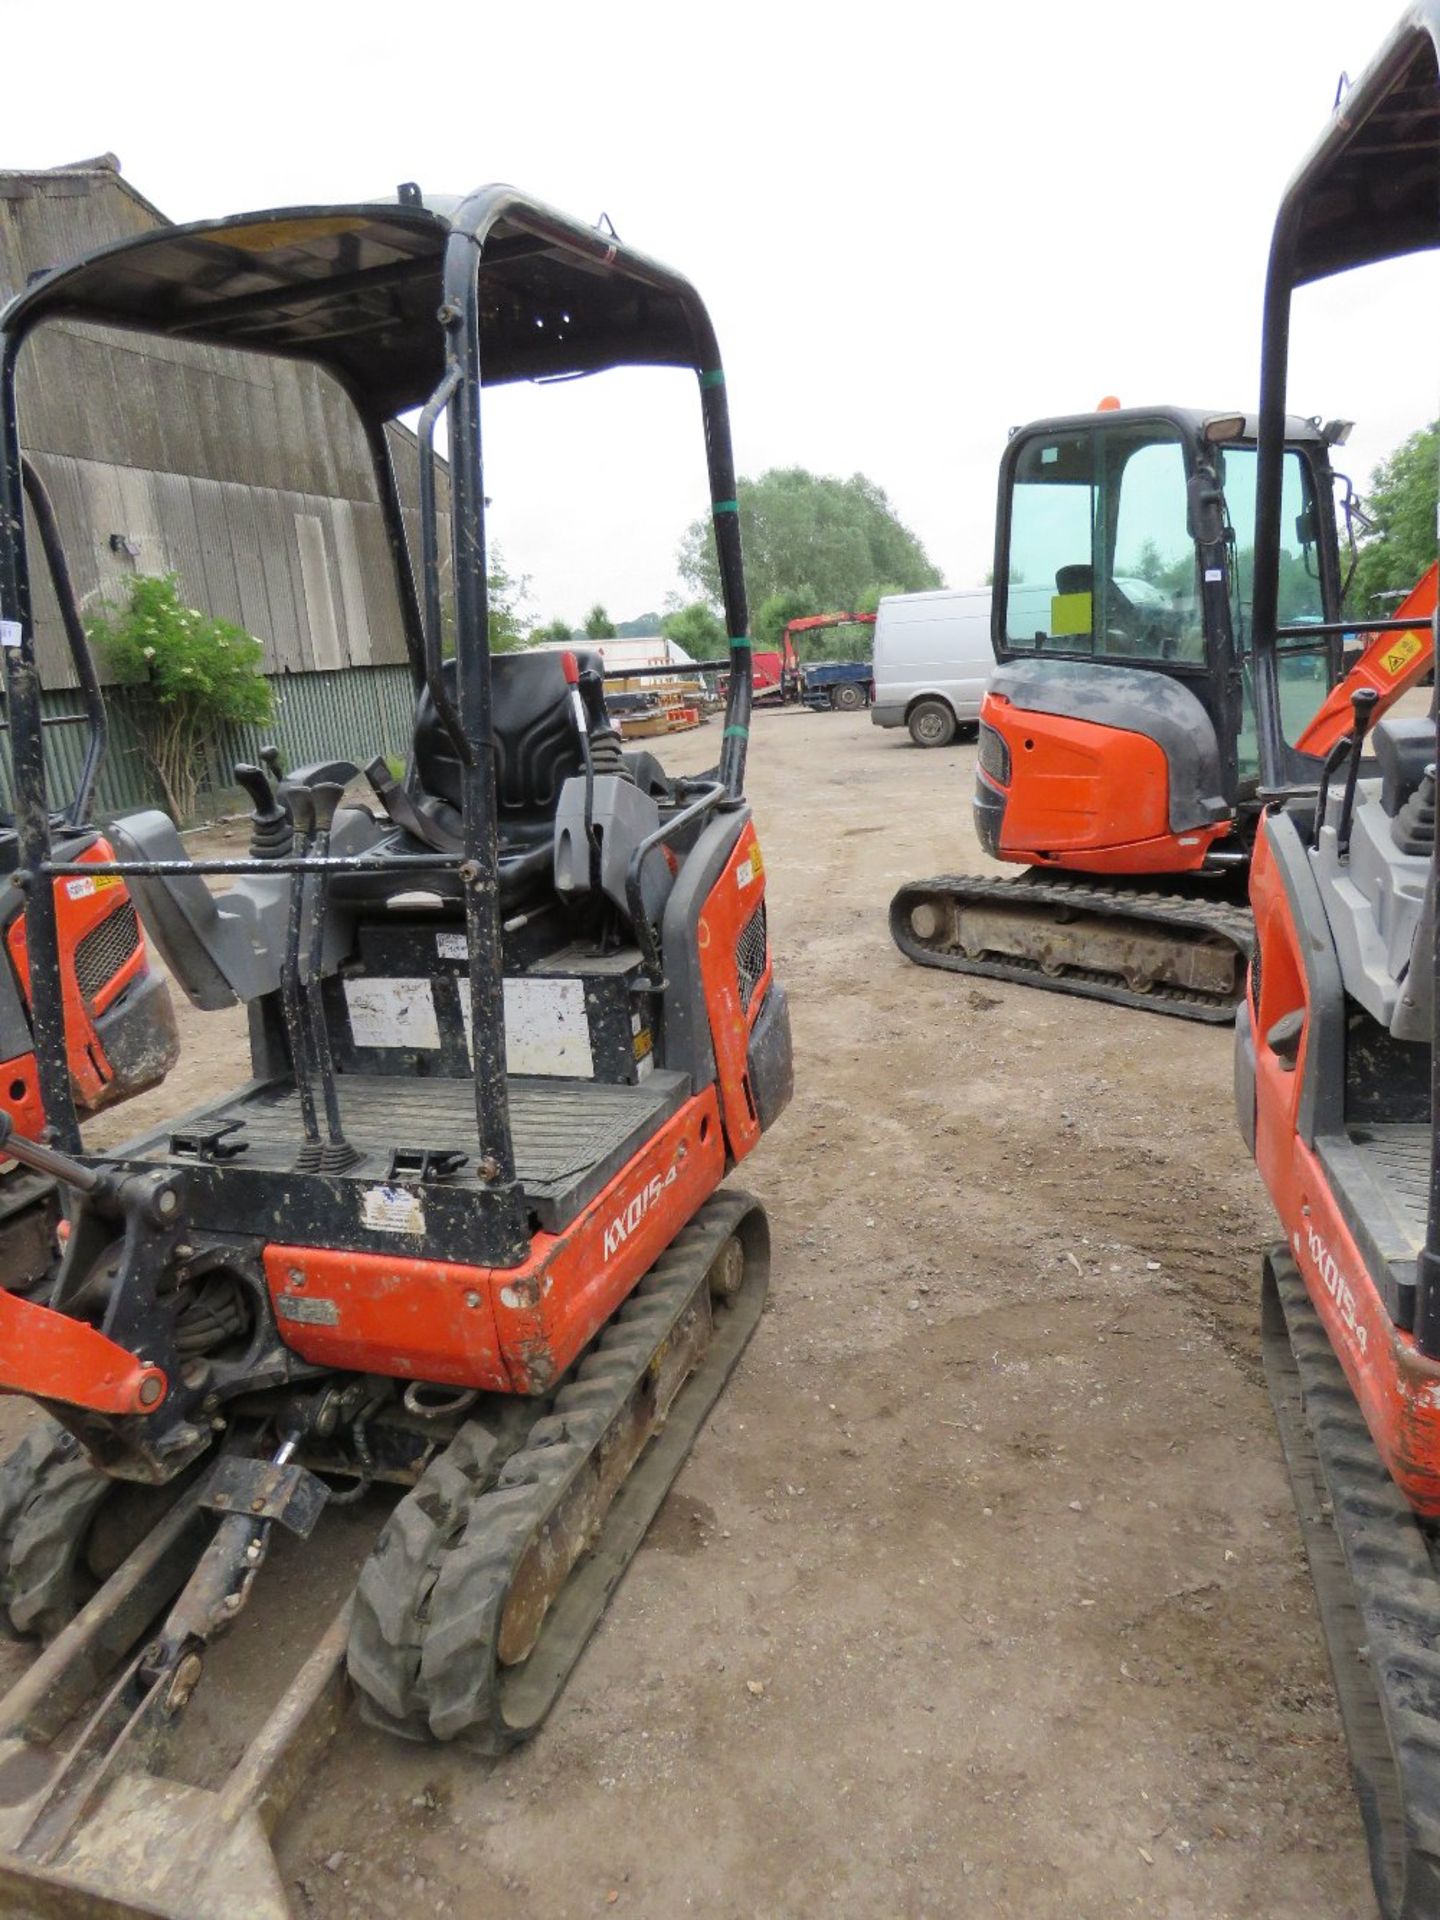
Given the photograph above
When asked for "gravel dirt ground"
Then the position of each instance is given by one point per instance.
(981, 1593)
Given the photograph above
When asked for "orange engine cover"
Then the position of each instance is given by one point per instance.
(1088, 797)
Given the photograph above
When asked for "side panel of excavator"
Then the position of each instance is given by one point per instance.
(1054, 790)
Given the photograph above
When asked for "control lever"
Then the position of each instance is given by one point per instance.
(337, 1153)
(270, 754)
(271, 833)
(299, 804)
(1363, 702)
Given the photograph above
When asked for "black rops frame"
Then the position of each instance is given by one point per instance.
(1368, 191)
(458, 397)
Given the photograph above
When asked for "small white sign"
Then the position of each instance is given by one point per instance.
(392, 1013)
(1213, 576)
(9, 633)
(744, 873)
(451, 946)
(391, 1210)
(79, 889)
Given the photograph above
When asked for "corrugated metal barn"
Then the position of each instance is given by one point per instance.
(246, 476)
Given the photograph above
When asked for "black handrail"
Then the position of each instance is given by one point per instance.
(48, 528)
(649, 943)
(430, 566)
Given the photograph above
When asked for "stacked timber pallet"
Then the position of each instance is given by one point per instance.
(646, 708)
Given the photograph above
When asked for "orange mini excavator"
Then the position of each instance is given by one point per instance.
(115, 1011)
(463, 1237)
(1337, 1050)
(1117, 755)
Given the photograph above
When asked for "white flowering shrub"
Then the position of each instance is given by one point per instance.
(198, 675)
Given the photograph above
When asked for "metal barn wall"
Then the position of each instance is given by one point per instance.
(351, 714)
(247, 475)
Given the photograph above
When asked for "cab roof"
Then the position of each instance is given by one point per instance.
(1366, 191)
(357, 288)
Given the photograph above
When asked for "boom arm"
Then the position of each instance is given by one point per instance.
(1391, 664)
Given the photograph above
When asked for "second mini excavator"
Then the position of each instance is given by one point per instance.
(1117, 755)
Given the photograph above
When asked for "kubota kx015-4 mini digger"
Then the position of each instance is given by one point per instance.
(463, 1232)
(1117, 744)
(1337, 1055)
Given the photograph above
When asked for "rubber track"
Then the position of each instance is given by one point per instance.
(1378, 1595)
(1169, 911)
(432, 1596)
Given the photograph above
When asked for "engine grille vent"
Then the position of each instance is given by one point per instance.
(750, 950)
(105, 949)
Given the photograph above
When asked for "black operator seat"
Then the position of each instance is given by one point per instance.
(536, 746)
(537, 749)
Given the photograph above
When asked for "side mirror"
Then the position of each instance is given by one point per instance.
(1205, 507)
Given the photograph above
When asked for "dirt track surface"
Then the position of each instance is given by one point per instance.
(981, 1593)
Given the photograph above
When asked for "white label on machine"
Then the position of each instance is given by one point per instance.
(393, 1013)
(391, 1210)
(744, 873)
(451, 946)
(1213, 575)
(9, 633)
(547, 1029)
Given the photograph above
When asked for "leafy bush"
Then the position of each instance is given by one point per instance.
(199, 675)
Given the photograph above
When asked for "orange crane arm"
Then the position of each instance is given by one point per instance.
(819, 620)
(1391, 664)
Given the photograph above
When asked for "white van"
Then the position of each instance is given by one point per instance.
(933, 662)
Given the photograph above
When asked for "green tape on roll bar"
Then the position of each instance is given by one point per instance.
(726, 506)
(737, 733)
(739, 640)
(715, 378)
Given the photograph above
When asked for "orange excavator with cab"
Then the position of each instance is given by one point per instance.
(1117, 753)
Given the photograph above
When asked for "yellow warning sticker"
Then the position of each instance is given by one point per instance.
(1395, 659)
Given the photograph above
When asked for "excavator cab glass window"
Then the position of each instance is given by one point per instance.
(1303, 667)
(1100, 559)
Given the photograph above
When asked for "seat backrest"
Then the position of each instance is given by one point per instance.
(536, 748)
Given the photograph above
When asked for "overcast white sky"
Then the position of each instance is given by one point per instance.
(915, 225)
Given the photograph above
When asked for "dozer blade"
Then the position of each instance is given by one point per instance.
(1377, 1591)
(156, 1849)
(1163, 953)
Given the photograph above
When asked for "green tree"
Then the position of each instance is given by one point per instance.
(507, 595)
(198, 674)
(796, 527)
(640, 628)
(774, 614)
(1402, 504)
(598, 624)
(697, 628)
(560, 630)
